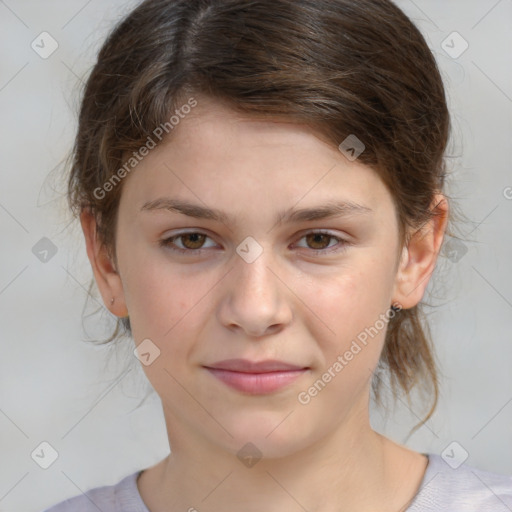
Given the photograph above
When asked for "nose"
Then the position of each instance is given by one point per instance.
(255, 298)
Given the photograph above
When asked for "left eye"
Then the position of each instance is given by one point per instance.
(319, 238)
(194, 241)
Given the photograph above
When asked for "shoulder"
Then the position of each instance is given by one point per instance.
(121, 497)
(462, 489)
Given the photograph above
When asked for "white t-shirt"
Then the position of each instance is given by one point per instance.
(443, 489)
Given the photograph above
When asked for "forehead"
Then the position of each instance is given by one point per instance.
(218, 155)
(214, 124)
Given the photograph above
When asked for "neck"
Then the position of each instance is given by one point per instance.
(352, 467)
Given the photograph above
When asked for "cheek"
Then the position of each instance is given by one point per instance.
(351, 307)
(167, 308)
(162, 301)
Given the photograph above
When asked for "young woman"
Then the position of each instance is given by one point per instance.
(260, 186)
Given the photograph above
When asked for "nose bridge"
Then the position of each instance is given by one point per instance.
(254, 299)
(256, 275)
(255, 285)
(252, 264)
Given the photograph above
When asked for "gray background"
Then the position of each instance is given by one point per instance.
(55, 387)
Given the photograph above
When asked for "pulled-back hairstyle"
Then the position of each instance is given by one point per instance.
(340, 66)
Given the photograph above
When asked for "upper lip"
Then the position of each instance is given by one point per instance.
(246, 366)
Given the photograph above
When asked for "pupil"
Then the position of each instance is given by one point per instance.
(316, 237)
(196, 240)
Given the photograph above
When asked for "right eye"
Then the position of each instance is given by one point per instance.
(192, 242)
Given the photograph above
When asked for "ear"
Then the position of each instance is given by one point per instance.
(419, 257)
(105, 273)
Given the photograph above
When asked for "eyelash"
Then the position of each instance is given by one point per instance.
(167, 243)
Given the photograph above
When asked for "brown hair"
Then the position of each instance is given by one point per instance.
(340, 66)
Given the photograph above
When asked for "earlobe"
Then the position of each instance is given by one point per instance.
(418, 259)
(106, 275)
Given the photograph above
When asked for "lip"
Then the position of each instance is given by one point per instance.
(246, 366)
(256, 377)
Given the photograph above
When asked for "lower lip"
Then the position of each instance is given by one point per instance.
(257, 383)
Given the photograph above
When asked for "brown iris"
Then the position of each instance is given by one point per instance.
(313, 238)
(196, 240)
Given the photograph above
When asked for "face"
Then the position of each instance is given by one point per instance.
(225, 251)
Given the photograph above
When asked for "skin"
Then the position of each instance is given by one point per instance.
(297, 302)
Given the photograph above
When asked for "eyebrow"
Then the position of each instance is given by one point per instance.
(328, 210)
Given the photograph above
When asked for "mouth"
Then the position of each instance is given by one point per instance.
(256, 378)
